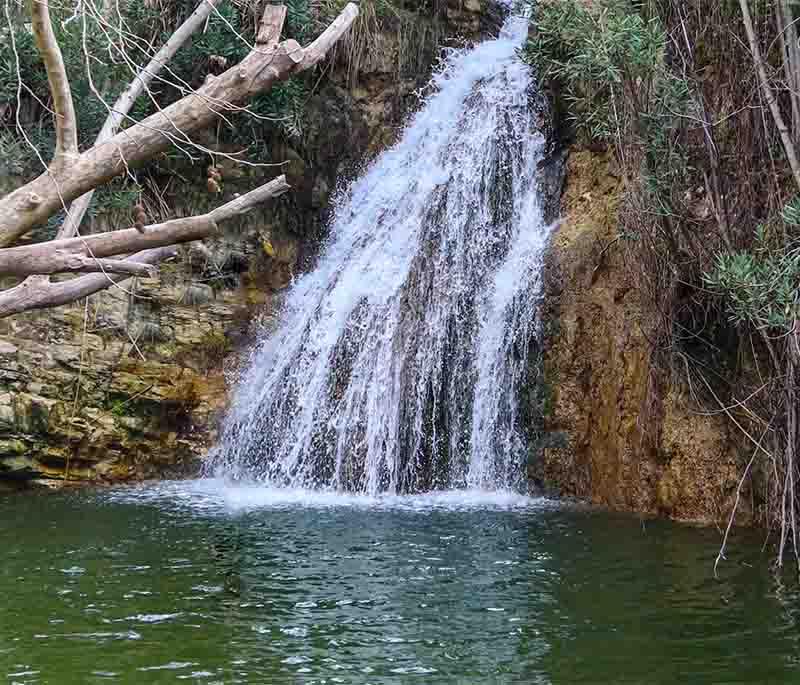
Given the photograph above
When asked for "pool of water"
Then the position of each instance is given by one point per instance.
(201, 582)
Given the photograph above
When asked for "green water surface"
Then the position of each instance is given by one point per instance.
(205, 583)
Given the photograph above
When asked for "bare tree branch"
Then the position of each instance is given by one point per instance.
(161, 239)
(65, 121)
(41, 293)
(35, 202)
(125, 101)
(269, 31)
(787, 36)
(769, 94)
(77, 254)
(61, 261)
(315, 52)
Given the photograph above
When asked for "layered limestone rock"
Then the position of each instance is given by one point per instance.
(619, 430)
(132, 384)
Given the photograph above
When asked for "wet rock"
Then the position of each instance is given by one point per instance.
(629, 436)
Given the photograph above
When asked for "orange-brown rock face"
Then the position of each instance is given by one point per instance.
(619, 430)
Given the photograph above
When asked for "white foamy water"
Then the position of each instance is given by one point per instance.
(221, 496)
(398, 361)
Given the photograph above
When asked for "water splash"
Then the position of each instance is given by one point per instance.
(398, 361)
(212, 496)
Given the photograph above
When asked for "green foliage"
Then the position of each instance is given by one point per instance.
(106, 71)
(791, 213)
(118, 195)
(218, 38)
(759, 286)
(667, 162)
(13, 154)
(298, 20)
(282, 105)
(607, 61)
(117, 407)
(601, 55)
(111, 66)
(29, 63)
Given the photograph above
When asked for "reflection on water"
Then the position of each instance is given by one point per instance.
(200, 582)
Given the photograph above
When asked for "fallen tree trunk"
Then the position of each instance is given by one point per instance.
(42, 293)
(156, 243)
(77, 254)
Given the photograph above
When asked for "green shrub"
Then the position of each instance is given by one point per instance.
(117, 407)
(608, 61)
(759, 286)
(13, 154)
(606, 64)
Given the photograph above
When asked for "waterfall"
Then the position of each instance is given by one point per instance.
(397, 362)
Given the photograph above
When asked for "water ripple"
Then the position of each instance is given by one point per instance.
(436, 590)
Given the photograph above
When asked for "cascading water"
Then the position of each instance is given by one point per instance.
(398, 360)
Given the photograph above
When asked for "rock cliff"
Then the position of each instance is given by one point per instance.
(619, 429)
(131, 384)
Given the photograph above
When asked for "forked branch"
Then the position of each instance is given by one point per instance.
(126, 100)
(35, 202)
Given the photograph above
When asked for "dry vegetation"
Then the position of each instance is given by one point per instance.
(700, 102)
